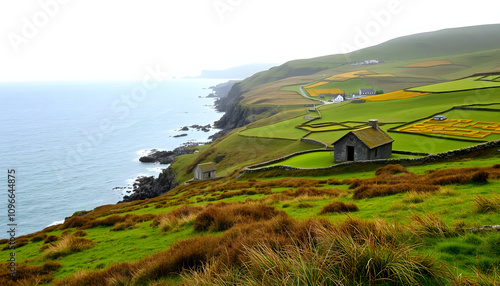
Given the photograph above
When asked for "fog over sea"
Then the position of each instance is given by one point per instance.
(72, 144)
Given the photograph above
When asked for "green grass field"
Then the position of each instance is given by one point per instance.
(321, 159)
(348, 86)
(394, 111)
(279, 130)
(458, 85)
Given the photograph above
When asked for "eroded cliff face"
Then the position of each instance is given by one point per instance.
(237, 115)
(150, 187)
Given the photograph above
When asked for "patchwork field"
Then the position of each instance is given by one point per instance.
(317, 92)
(400, 94)
(331, 126)
(485, 124)
(455, 127)
(272, 94)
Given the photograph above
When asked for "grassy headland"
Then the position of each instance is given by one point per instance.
(359, 224)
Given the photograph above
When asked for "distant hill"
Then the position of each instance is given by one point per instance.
(239, 72)
(443, 43)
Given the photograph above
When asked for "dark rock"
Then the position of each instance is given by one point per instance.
(167, 157)
(185, 128)
(150, 187)
(180, 135)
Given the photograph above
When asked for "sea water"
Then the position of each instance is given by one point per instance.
(75, 146)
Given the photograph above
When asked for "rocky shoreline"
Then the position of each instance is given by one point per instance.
(167, 157)
(146, 187)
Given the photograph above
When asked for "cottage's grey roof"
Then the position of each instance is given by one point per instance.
(207, 167)
(366, 89)
(371, 137)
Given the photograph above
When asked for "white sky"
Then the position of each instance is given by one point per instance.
(118, 39)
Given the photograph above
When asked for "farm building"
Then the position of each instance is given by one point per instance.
(439, 117)
(366, 91)
(368, 143)
(339, 98)
(205, 171)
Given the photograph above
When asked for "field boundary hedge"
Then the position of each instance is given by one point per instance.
(260, 137)
(324, 145)
(450, 91)
(426, 159)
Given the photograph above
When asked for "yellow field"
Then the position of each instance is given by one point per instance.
(400, 94)
(316, 92)
(316, 84)
(349, 75)
(429, 64)
(456, 127)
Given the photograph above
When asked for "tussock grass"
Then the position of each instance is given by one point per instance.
(176, 219)
(303, 193)
(447, 191)
(430, 225)
(29, 274)
(415, 198)
(385, 183)
(267, 247)
(85, 222)
(352, 253)
(222, 216)
(339, 207)
(67, 245)
(484, 205)
(39, 237)
(391, 169)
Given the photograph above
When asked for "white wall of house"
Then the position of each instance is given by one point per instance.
(339, 98)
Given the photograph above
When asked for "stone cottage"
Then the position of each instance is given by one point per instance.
(205, 171)
(368, 143)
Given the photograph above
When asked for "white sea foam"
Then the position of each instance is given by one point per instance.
(146, 152)
(56, 223)
(157, 169)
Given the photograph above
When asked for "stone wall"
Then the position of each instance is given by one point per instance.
(426, 159)
(314, 142)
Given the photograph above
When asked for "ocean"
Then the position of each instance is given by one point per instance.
(75, 146)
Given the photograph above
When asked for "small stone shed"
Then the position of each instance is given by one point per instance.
(368, 143)
(205, 171)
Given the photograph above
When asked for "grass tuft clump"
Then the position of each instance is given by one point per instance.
(354, 253)
(67, 245)
(430, 225)
(391, 169)
(339, 207)
(222, 216)
(484, 205)
(29, 274)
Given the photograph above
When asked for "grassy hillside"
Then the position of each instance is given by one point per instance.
(151, 241)
(359, 224)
